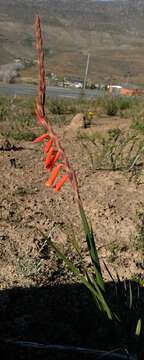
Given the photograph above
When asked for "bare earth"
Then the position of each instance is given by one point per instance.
(30, 211)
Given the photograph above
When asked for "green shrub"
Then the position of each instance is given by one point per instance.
(57, 107)
(3, 112)
(125, 103)
(22, 135)
(138, 125)
(4, 108)
(24, 120)
(111, 107)
(114, 133)
(101, 101)
(118, 104)
(62, 106)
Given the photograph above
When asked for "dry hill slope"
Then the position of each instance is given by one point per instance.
(111, 31)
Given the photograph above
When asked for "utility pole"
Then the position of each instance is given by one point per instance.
(86, 71)
(128, 75)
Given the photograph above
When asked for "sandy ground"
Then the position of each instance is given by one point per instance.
(30, 211)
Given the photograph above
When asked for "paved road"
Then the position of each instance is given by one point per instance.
(31, 90)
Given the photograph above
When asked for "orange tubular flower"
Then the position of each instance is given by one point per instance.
(48, 146)
(49, 157)
(55, 158)
(61, 182)
(40, 138)
(54, 175)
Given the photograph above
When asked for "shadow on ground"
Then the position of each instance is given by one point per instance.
(62, 314)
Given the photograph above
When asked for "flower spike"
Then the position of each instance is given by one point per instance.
(52, 148)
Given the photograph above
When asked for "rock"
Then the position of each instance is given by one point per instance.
(77, 122)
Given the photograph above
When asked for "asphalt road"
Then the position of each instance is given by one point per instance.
(31, 90)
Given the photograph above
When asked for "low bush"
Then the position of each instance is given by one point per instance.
(138, 125)
(19, 136)
(111, 107)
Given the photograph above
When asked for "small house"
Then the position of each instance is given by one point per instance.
(124, 90)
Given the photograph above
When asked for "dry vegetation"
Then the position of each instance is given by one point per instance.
(111, 32)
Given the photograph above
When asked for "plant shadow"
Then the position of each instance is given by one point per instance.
(62, 314)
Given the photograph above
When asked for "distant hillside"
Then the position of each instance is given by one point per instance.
(111, 31)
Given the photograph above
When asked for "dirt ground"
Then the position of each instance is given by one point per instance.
(30, 212)
(30, 209)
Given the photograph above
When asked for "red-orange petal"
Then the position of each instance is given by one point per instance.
(58, 155)
(48, 146)
(54, 175)
(55, 158)
(60, 183)
(40, 138)
(49, 157)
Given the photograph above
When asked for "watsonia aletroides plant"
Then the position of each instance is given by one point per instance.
(60, 171)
